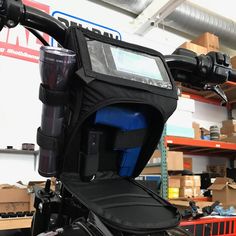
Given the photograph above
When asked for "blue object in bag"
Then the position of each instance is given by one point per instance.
(126, 120)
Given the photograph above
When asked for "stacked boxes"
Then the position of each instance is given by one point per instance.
(228, 127)
(229, 130)
(194, 47)
(174, 160)
(190, 186)
(217, 169)
(209, 41)
(205, 43)
(173, 187)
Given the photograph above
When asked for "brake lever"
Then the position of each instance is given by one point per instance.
(218, 90)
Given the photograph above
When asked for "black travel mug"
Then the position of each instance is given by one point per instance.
(57, 65)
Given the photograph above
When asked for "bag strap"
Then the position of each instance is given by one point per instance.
(53, 97)
(129, 139)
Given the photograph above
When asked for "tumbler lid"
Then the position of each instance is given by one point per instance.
(56, 54)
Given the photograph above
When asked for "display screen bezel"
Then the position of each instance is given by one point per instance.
(86, 72)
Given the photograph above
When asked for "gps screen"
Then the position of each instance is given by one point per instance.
(128, 64)
(136, 64)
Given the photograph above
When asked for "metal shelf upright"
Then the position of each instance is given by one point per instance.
(164, 171)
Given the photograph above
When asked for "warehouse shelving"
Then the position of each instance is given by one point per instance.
(199, 146)
(16, 151)
(193, 147)
(211, 97)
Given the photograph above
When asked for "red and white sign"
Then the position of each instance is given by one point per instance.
(19, 43)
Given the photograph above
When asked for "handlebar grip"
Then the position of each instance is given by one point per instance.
(232, 75)
(181, 62)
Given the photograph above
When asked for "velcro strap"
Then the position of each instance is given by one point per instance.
(129, 139)
(48, 142)
(53, 97)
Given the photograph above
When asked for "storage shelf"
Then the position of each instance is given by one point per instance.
(153, 165)
(211, 97)
(16, 151)
(200, 147)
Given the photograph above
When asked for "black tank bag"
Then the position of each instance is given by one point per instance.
(126, 77)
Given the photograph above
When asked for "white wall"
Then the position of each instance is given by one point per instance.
(199, 163)
(20, 107)
(18, 167)
(208, 114)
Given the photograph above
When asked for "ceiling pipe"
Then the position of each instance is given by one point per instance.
(189, 19)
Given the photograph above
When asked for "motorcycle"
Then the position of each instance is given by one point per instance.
(105, 104)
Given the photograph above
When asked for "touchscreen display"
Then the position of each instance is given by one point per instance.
(137, 64)
(128, 64)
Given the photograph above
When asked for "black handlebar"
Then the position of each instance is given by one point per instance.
(14, 12)
(213, 68)
(41, 21)
(179, 61)
(232, 75)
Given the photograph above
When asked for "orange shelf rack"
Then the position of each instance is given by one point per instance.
(200, 147)
(210, 97)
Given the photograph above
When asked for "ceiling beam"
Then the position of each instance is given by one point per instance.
(154, 14)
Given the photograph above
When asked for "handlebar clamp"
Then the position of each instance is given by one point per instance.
(11, 12)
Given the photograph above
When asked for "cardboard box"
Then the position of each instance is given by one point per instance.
(174, 162)
(224, 191)
(13, 199)
(14, 195)
(174, 182)
(228, 122)
(189, 192)
(230, 139)
(197, 131)
(209, 41)
(194, 47)
(233, 62)
(190, 181)
(188, 163)
(217, 169)
(174, 159)
(15, 207)
(228, 127)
